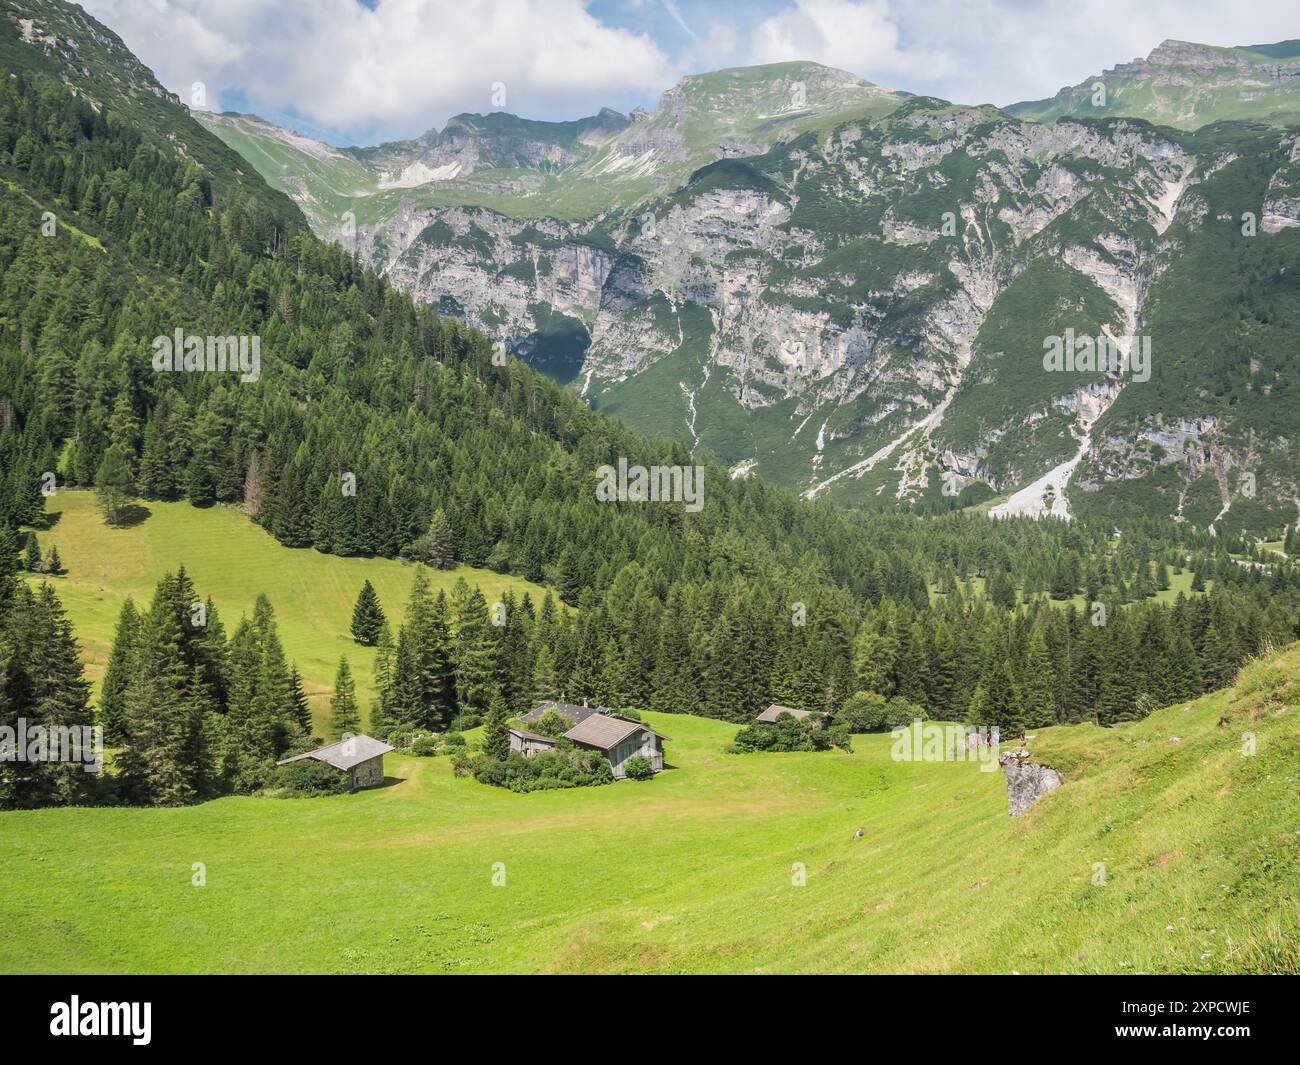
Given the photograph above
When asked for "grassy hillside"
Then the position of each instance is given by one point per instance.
(232, 560)
(692, 871)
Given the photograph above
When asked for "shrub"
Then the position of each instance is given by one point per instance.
(842, 737)
(787, 733)
(466, 721)
(564, 767)
(425, 746)
(901, 713)
(462, 762)
(863, 712)
(552, 723)
(307, 777)
(453, 739)
(638, 767)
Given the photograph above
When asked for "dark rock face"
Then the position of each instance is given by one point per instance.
(1027, 781)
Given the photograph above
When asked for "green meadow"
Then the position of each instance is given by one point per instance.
(232, 560)
(1167, 849)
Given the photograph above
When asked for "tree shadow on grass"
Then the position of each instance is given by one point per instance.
(47, 521)
(132, 515)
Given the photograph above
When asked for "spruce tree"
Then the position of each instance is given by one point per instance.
(380, 713)
(165, 759)
(345, 720)
(496, 734)
(274, 701)
(9, 568)
(474, 642)
(251, 733)
(367, 616)
(33, 560)
(301, 711)
(45, 685)
(113, 486)
(118, 675)
(441, 542)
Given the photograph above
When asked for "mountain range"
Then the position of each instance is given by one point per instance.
(849, 289)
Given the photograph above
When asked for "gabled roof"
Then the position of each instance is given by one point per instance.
(345, 754)
(604, 731)
(536, 737)
(776, 710)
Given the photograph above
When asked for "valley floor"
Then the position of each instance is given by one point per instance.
(1167, 850)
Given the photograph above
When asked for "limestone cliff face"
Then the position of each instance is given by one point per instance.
(847, 289)
(847, 279)
(1027, 781)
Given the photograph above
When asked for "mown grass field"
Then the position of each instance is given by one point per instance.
(692, 871)
(232, 560)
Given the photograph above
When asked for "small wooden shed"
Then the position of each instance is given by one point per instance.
(529, 743)
(360, 757)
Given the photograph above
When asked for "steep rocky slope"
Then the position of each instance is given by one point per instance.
(852, 291)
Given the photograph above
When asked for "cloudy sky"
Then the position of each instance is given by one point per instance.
(363, 71)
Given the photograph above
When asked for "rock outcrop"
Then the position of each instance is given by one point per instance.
(1027, 781)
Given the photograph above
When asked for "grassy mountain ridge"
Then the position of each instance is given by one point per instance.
(1187, 85)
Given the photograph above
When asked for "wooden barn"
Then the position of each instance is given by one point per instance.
(360, 757)
(619, 739)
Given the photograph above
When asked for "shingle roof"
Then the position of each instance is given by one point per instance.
(604, 731)
(776, 710)
(345, 754)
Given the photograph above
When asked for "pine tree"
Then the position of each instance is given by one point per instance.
(113, 486)
(254, 490)
(273, 702)
(1039, 685)
(380, 714)
(118, 675)
(941, 677)
(301, 708)
(45, 685)
(473, 639)
(422, 692)
(9, 568)
(367, 616)
(251, 733)
(54, 564)
(875, 653)
(441, 542)
(345, 720)
(496, 735)
(165, 759)
(33, 560)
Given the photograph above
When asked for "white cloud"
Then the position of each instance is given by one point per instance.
(410, 64)
(1011, 50)
(855, 35)
(402, 67)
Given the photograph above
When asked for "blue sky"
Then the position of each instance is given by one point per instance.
(363, 71)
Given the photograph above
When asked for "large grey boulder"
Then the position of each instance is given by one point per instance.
(1027, 781)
